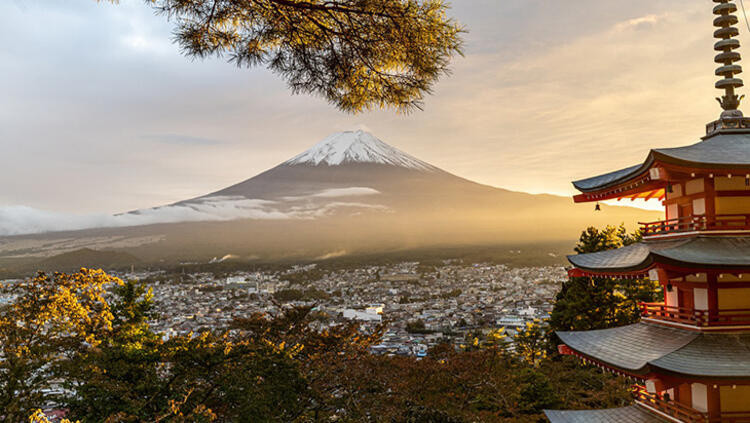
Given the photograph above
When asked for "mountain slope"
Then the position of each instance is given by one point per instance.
(86, 257)
(349, 193)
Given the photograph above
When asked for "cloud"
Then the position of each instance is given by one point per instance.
(641, 23)
(20, 220)
(327, 209)
(16, 220)
(335, 193)
(332, 254)
(538, 100)
(346, 192)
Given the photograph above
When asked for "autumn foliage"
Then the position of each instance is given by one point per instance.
(88, 336)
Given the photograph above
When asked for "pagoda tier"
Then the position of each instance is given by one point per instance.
(647, 350)
(705, 188)
(705, 279)
(686, 376)
(718, 155)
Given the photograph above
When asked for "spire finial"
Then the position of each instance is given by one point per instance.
(727, 57)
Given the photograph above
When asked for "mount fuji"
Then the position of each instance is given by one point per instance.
(357, 147)
(348, 173)
(350, 193)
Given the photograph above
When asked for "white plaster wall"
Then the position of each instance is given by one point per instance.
(673, 211)
(671, 297)
(700, 298)
(700, 397)
(699, 206)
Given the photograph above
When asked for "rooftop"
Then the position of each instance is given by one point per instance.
(704, 251)
(726, 150)
(644, 347)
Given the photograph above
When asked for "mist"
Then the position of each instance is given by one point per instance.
(24, 220)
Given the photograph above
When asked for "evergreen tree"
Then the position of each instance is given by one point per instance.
(358, 54)
(121, 376)
(598, 303)
(537, 393)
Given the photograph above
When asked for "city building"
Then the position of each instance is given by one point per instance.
(690, 354)
(365, 316)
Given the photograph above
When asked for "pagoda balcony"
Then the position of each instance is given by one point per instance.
(699, 223)
(670, 408)
(692, 317)
(682, 412)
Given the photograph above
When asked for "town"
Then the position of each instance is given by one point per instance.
(419, 305)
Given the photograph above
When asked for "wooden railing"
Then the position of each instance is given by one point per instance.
(670, 408)
(689, 316)
(720, 222)
(684, 413)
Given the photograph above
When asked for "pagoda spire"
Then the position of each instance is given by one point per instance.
(727, 56)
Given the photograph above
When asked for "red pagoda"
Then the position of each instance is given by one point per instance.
(690, 354)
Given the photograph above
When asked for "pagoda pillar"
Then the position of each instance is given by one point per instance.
(713, 296)
(714, 401)
(663, 278)
(710, 190)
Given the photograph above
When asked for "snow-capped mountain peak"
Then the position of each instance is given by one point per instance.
(357, 147)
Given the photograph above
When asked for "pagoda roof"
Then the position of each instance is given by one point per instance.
(609, 179)
(710, 355)
(630, 348)
(720, 151)
(706, 251)
(644, 347)
(632, 414)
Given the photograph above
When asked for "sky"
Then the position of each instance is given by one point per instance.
(100, 113)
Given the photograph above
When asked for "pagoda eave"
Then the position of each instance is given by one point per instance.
(650, 371)
(674, 268)
(639, 188)
(690, 255)
(647, 350)
(639, 374)
(577, 272)
(722, 154)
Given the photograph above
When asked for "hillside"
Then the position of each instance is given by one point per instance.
(350, 194)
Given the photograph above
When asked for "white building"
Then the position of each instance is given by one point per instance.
(363, 316)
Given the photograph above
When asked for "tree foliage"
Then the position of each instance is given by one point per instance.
(115, 368)
(593, 240)
(531, 343)
(119, 380)
(52, 316)
(358, 54)
(39, 417)
(598, 303)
